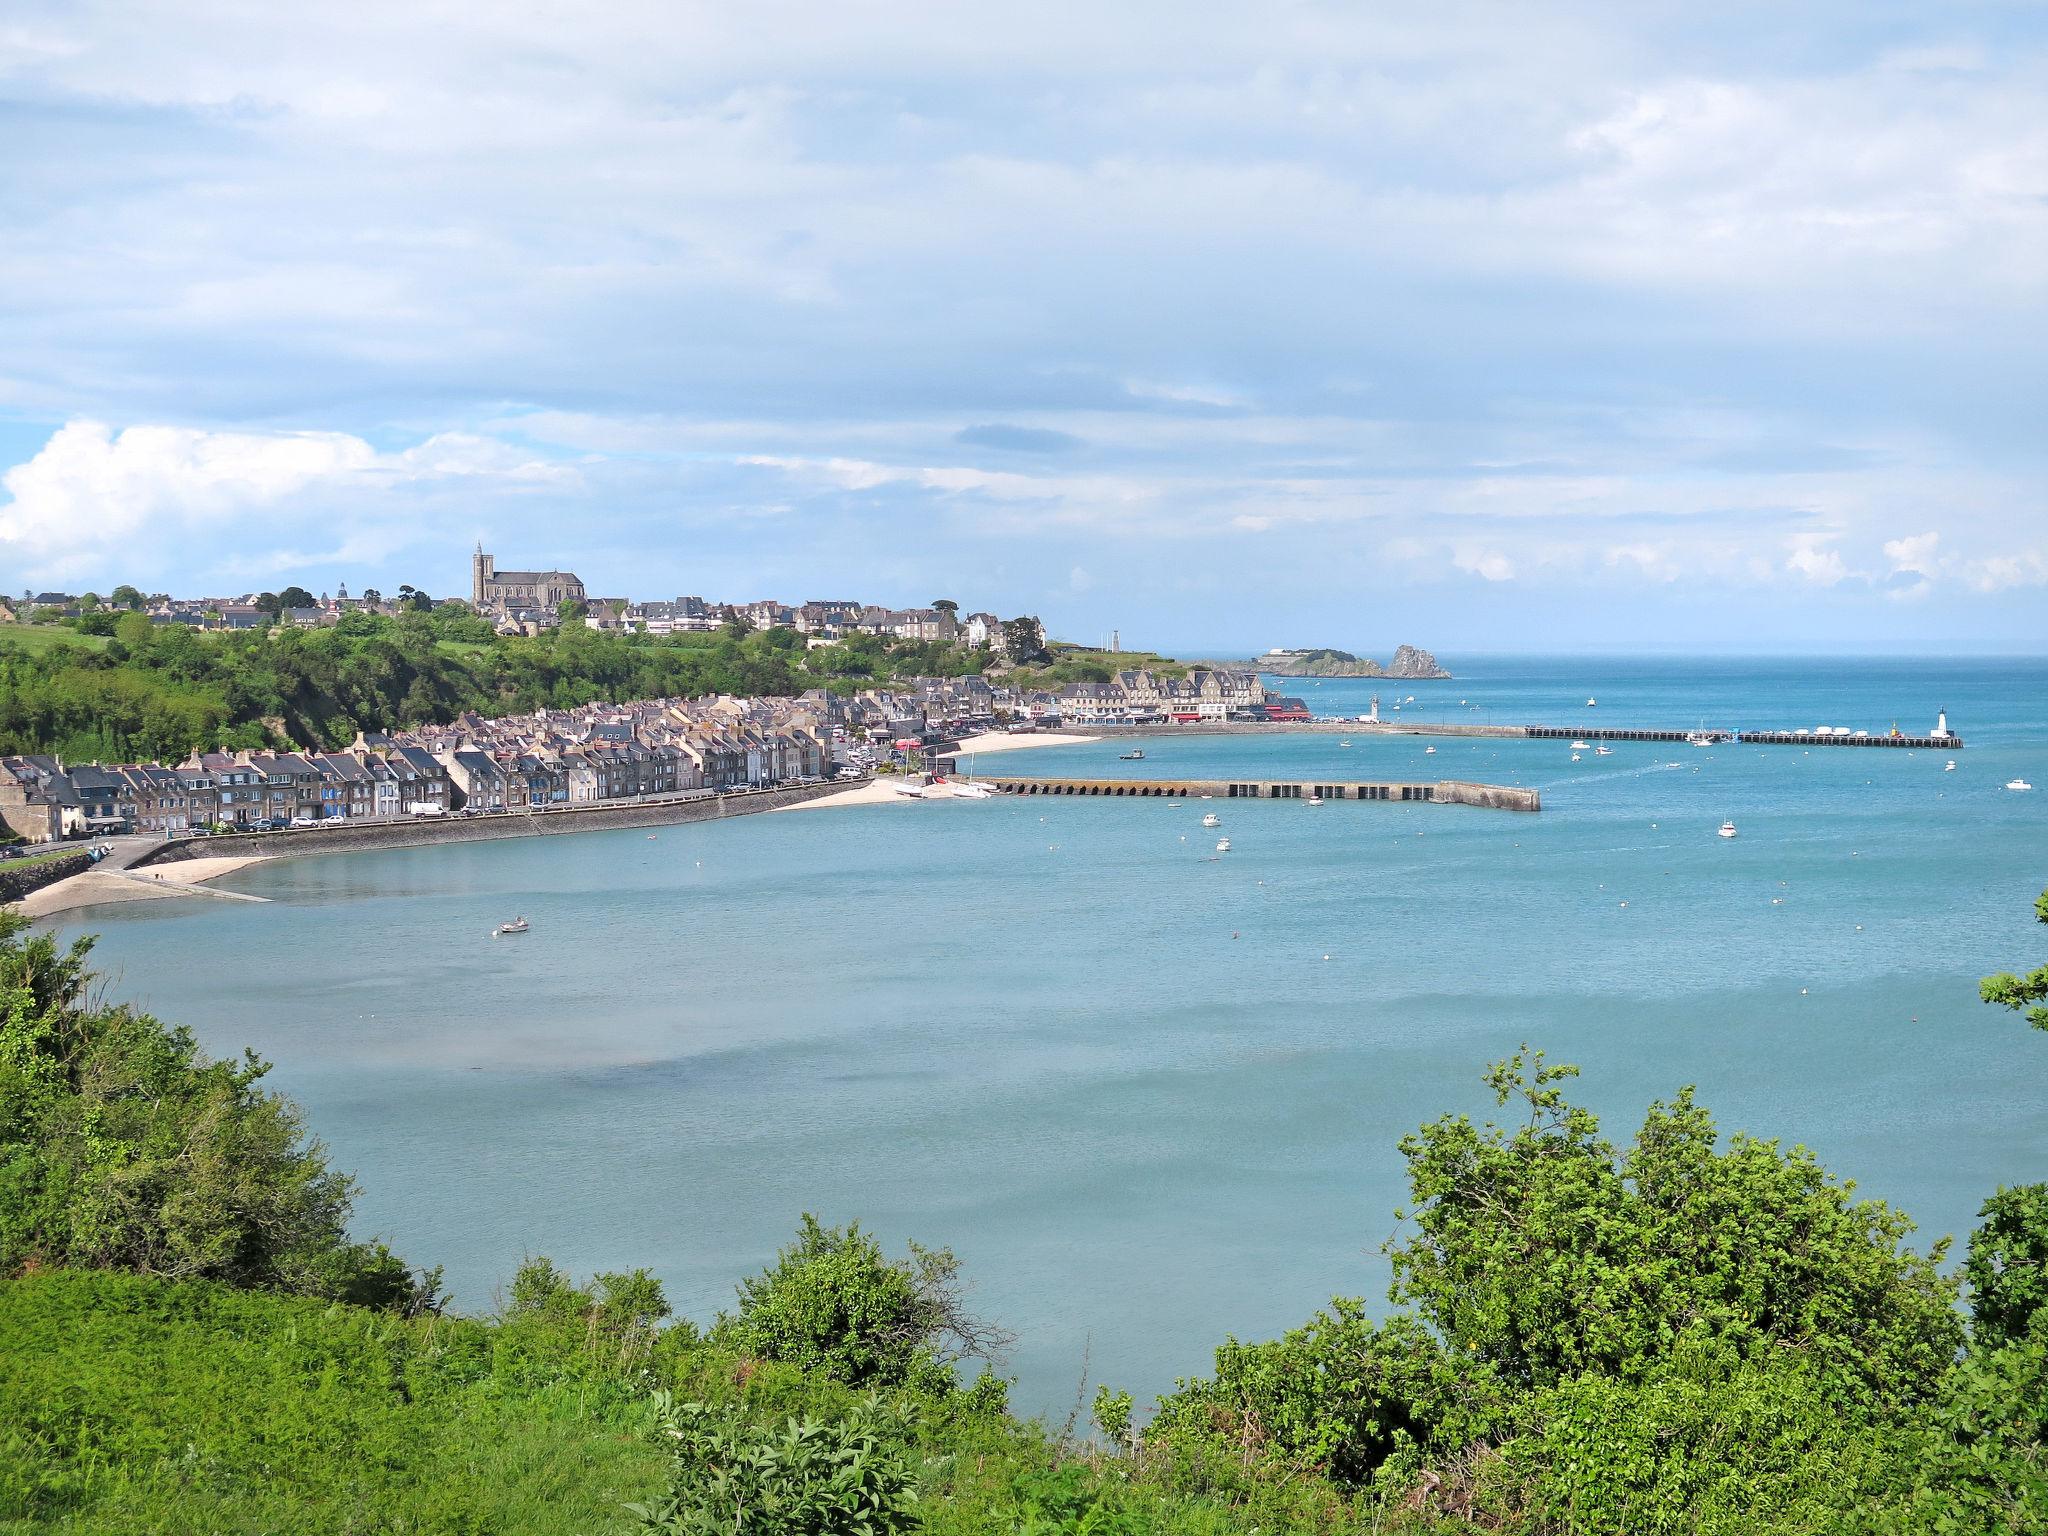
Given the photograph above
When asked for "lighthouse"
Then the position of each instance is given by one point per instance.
(1941, 722)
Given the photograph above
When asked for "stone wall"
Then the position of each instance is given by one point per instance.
(16, 883)
(357, 835)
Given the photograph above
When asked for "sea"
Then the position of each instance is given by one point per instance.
(1151, 1096)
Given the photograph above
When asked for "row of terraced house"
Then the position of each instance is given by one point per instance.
(556, 758)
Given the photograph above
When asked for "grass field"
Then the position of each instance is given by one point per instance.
(37, 638)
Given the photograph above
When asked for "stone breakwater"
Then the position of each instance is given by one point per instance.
(1497, 797)
(352, 837)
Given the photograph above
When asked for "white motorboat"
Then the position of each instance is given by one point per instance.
(1343, 743)
(1576, 756)
(1727, 829)
(1603, 751)
(1582, 746)
(972, 792)
(1315, 799)
(1135, 755)
(2018, 784)
(1592, 703)
(909, 791)
(517, 925)
(1429, 751)
(1211, 820)
(1223, 845)
(1949, 766)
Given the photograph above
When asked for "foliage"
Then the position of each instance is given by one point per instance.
(801, 1477)
(1339, 1397)
(129, 1403)
(2029, 992)
(137, 691)
(836, 1304)
(123, 1147)
(2007, 1270)
(1544, 1254)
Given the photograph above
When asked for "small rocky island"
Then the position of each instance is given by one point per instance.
(1410, 662)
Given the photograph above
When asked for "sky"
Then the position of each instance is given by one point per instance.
(1482, 327)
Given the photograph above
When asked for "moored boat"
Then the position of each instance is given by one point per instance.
(517, 925)
(1727, 829)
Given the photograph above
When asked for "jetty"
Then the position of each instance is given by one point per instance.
(1938, 740)
(1498, 797)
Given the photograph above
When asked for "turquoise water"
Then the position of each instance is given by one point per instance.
(1151, 1097)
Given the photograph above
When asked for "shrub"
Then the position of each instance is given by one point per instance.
(794, 1477)
(834, 1303)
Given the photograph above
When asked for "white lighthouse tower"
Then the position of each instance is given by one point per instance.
(1941, 722)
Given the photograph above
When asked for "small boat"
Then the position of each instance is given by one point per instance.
(1171, 804)
(1591, 703)
(1429, 751)
(1949, 766)
(909, 791)
(1211, 820)
(2018, 784)
(1603, 751)
(1727, 829)
(972, 792)
(1576, 756)
(1582, 746)
(1343, 743)
(1135, 755)
(1315, 799)
(1223, 845)
(517, 925)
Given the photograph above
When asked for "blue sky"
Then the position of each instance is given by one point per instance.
(1481, 326)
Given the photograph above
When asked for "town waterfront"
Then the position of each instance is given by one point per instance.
(1117, 1073)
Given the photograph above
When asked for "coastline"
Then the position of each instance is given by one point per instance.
(98, 887)
(880, 792)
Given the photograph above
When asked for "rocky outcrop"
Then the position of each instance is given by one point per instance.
(1413, 662)
(1410, 662)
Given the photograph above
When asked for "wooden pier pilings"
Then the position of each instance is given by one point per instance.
(1498, 797)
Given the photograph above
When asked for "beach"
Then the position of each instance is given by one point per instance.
(97, 887)
(881, 791)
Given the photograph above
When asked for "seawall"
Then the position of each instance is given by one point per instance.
(16, 883)
(351, 837)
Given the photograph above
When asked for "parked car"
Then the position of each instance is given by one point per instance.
(305, 821)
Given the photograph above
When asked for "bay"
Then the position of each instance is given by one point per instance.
(1151, 1096)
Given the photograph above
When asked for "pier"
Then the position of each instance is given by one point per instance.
(1499, 797)
(1933, 741)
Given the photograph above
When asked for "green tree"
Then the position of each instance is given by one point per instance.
(122, 1146)
(271, 604)
(1544, 1252)
(2007, 1269)
(1024, 640)
(835, 1303)
(2029, 992)
(295, 597)
(125, 596)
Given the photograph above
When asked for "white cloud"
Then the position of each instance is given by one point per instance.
(1914, 554)
(1812, 559)
(1490, 564)
(92, 497)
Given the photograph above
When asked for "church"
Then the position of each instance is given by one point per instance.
(496, 591)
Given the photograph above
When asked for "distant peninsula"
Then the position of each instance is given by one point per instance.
(1410, 663)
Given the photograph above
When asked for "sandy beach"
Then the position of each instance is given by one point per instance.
(880, 791)
(1003, 741)
(99, 887)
